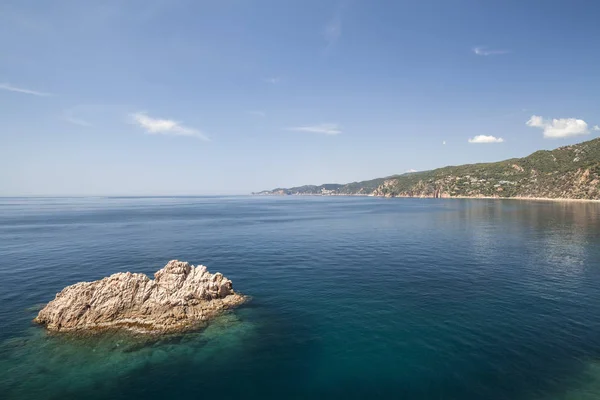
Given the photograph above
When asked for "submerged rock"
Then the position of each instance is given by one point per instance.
(179, 297)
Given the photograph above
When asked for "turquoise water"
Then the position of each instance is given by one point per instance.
(351, 298)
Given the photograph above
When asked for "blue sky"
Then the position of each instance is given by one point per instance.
(225, 97)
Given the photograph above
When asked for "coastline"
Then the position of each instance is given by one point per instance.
(554, 199)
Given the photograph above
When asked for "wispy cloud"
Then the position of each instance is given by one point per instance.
(485, 51)
(559, 127)
(164, 126)
(596, 128)
(257, 113)
(76, 121)
(325, 129)
(274, 80)
(70, 117)
(11, 88)
(444, 142)
(485, 139)
(333, 30)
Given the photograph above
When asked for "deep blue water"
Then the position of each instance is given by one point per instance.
(351, 298)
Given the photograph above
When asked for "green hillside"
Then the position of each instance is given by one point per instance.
(571, 172)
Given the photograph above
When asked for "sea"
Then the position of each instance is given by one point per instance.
(351, 298)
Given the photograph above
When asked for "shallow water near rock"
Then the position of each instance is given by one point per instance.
(351, 298)
(44, 365)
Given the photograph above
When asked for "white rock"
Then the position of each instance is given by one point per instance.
(179, 297)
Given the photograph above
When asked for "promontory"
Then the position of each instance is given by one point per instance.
(180, 297)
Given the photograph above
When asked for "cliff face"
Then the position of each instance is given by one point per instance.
(569, 172)
(179, 297)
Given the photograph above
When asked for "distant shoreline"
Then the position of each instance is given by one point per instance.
(555, 199)
(572, 171)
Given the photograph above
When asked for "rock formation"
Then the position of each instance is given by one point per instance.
(180, 297)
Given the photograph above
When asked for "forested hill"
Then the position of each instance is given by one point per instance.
(570, 172)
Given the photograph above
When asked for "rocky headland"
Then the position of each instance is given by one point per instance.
(179, 298)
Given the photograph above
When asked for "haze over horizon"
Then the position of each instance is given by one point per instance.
(230, 97)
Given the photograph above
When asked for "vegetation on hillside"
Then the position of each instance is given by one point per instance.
(567, 172)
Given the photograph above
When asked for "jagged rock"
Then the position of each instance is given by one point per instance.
(179, 297)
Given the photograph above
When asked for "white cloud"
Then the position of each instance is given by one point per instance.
(77, 121)
(326, 129)
(485, 139)
(596, 128)
(444, 142)
(164, 126)
(257, 113)
(559, 128)
(410, 171)
(484, 51)
(333, 30)
(11, 88)
(273, 80)
(69, 116)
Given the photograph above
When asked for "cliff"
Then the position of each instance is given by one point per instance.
(180, 297)
(568, 172)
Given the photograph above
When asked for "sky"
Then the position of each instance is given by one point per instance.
(193, 97)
